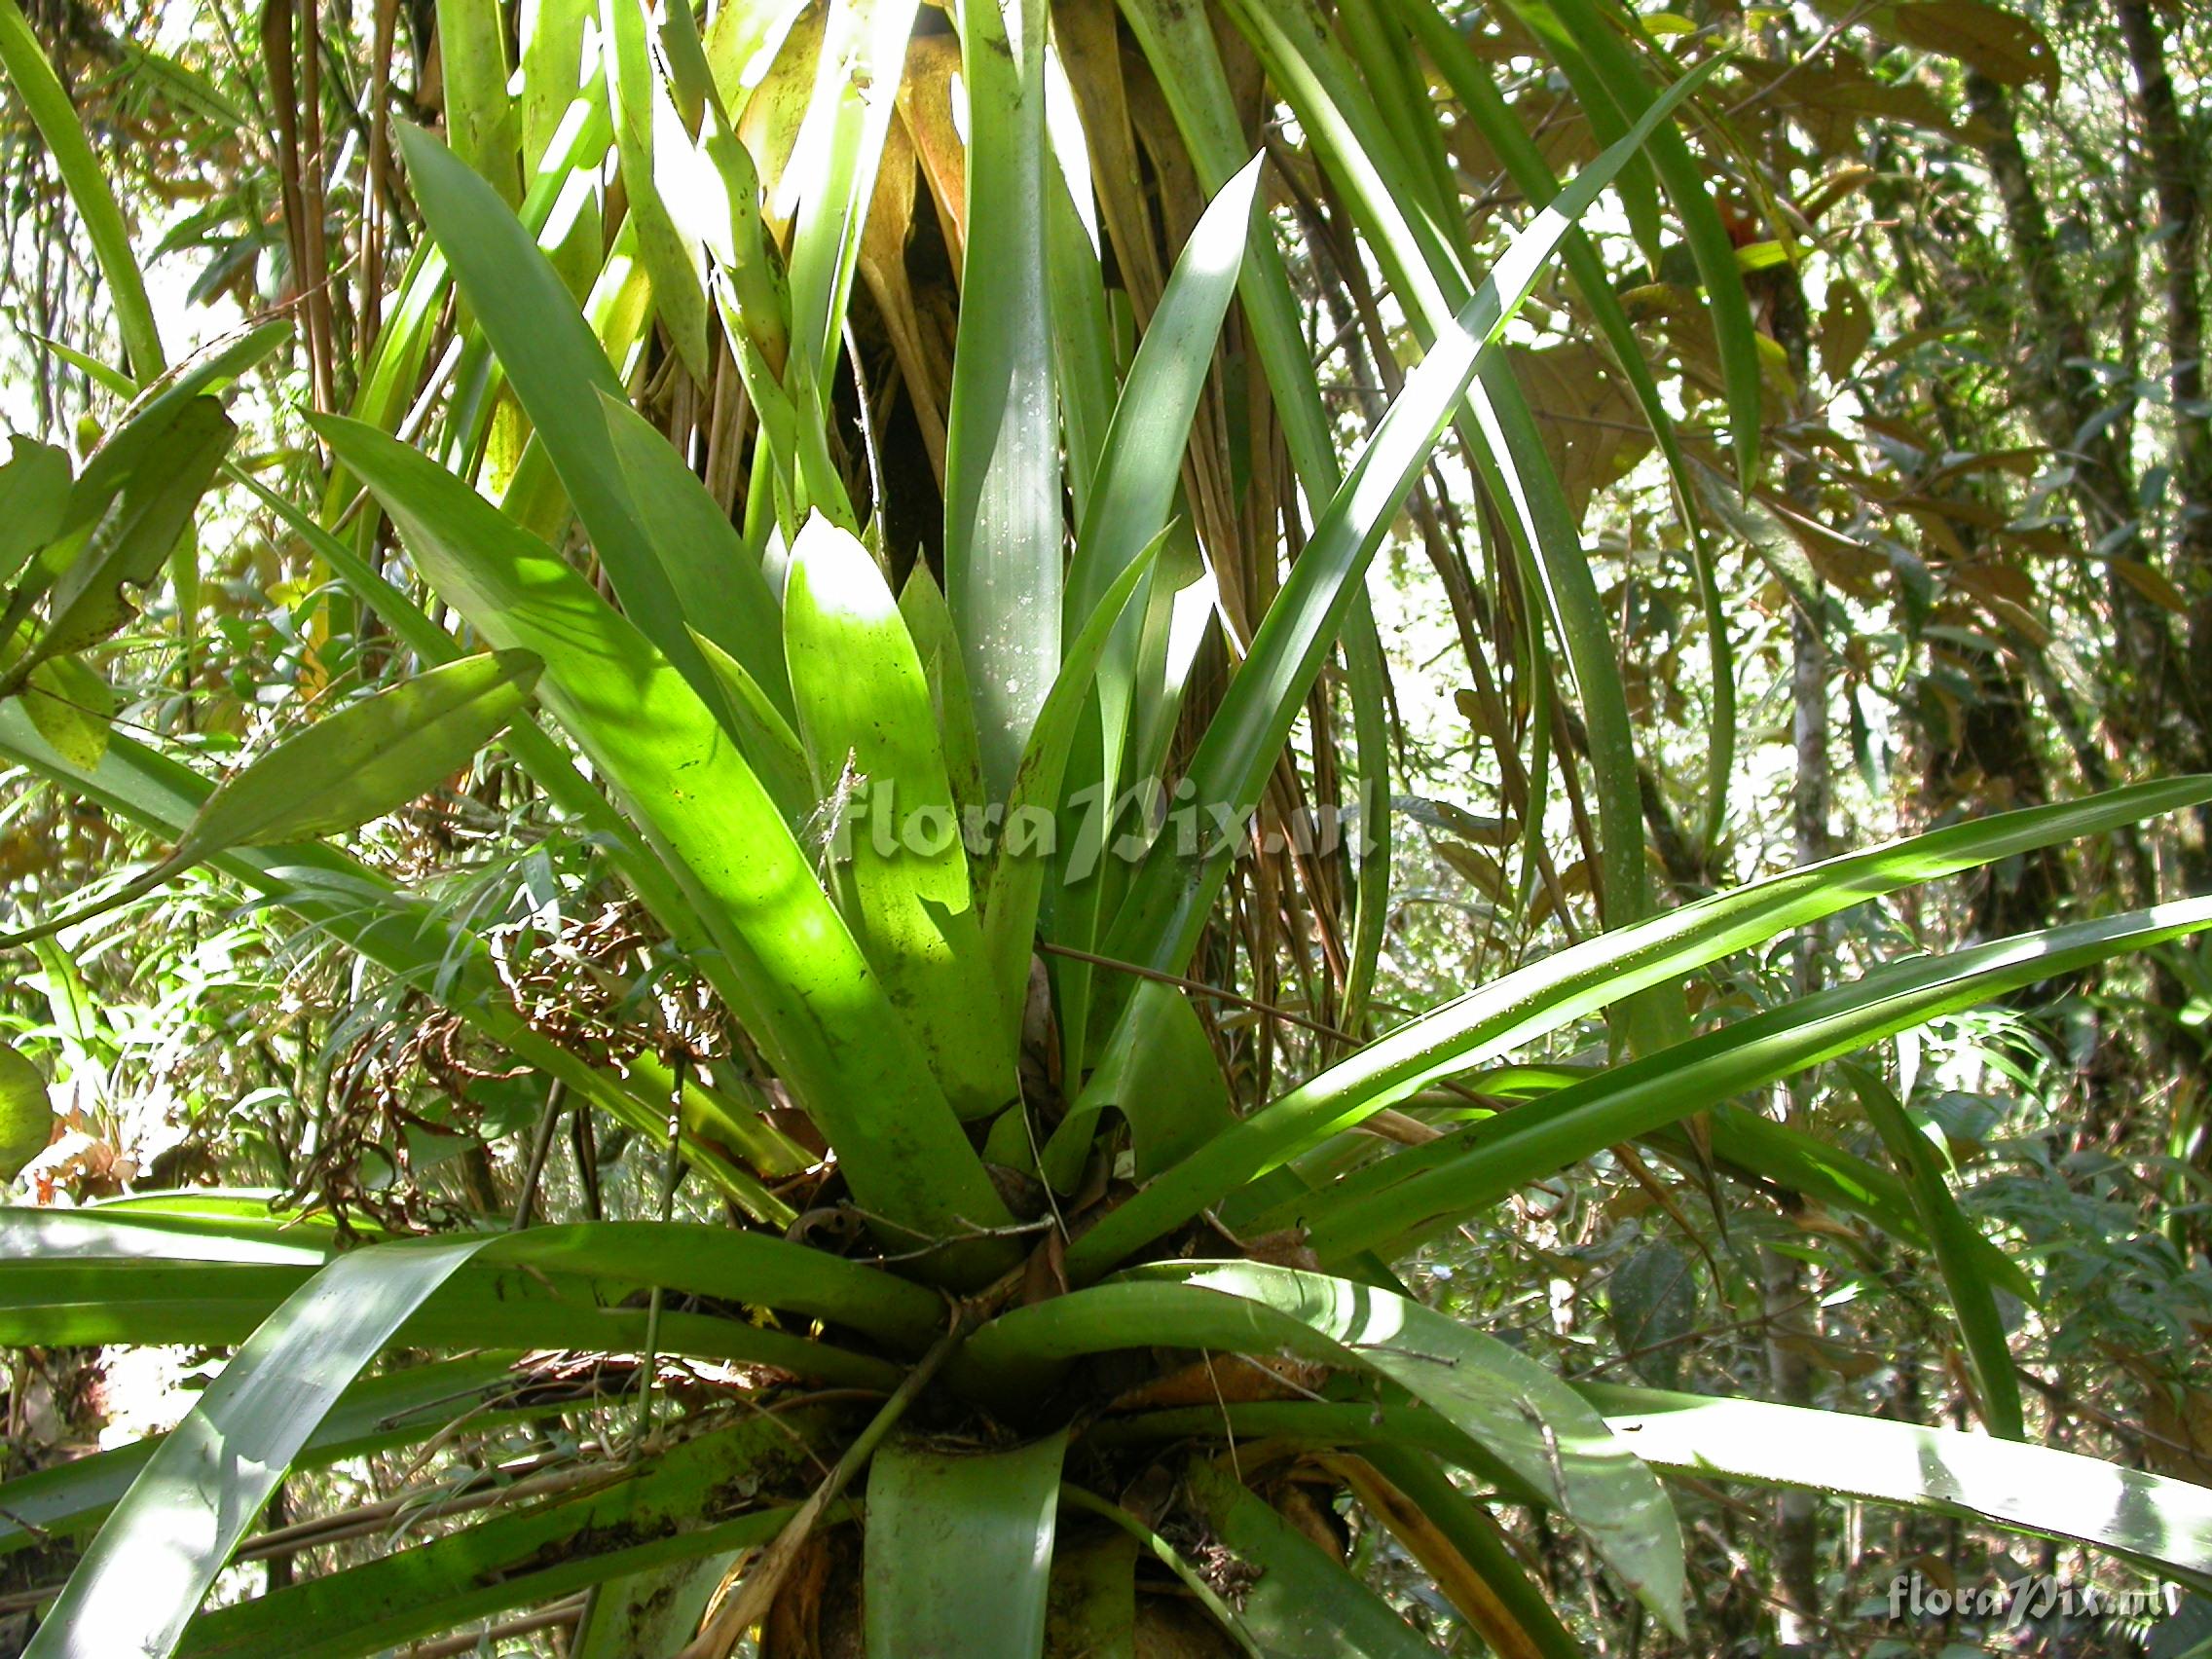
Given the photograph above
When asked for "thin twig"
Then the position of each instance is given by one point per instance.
(1197, 987)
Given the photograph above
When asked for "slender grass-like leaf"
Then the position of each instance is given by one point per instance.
(1575, 33)
(1170, 896)
(1955, 1239)
(1628, 1102)
(1545, 995)
(1142, 459)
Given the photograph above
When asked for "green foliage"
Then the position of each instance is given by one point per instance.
(928, 732)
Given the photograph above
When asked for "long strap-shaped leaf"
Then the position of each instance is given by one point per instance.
(1955, 1241)
(154, 1561)
(1002, 487)
(1172, 894)
(559, 372)
(901, 876)
(2033, 1487)
(1516, 1411)
(1632, 1101)
(1545, 995)
(76, 1278)
(1579, 35)
(940, 1525)
(648, 1515)
(802, 986)
(382, 1411)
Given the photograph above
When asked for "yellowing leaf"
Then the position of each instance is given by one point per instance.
(71, 707)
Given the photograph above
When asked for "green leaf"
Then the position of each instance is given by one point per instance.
(899, 867)
(764, 737)
(1160, 1073)
(1142, 461)
(561, 374)
(421, 947)
(1017, 877)
(482, 120)
(1631, 1100)
(1956, 1246)
(72, 706)
(652, 1614)
(160, 1552)
(647, 1517)
(1001, 490)
(2031, 1488)
(372, 757)
(1513, 1409)
(1574, 29)
(922, 602)
(34, 489)
(830, 177)
(1172, 894)
(1302, 1604)
(103, 1277)
(1526, 1003)
(943, 1523)
(1651, 1304)
(151, 509)
(794, 975)
(715, 577)
(646, 137)
(1521, 1603)
(548, 763)
(371, 1416)
(26, 1115)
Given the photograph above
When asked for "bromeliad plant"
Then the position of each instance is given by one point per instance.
(1017, 1290)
